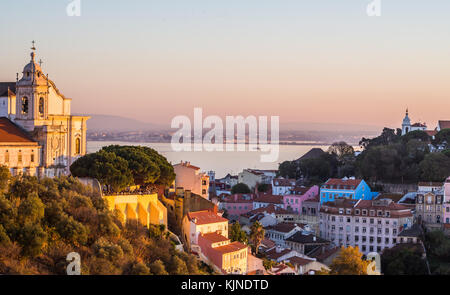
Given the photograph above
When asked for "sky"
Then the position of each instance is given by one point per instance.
(322, 61)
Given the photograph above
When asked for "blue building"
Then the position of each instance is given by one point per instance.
(345, 188)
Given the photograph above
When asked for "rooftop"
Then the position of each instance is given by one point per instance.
(232, 247)
(205, 217)
(284, 227)
(301, 238)
(11, 133)
(214, 237)
(270, 209)
(345, 182)
(266, 198)
(4, 86)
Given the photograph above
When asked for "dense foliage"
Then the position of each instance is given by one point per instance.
(403, 260)
(120, 166)
(235, 233)
(240, 188)
(349, 262)
(437, 245)
(41, 221)
(390, 158)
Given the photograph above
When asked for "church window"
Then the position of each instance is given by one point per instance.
(7, 156)
(41, 106)
(32, 158)
(19, 157)
(77, 146)
(24, 105)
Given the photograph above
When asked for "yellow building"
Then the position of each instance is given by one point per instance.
(146, 209)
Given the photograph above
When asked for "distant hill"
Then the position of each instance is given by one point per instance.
(119, 124)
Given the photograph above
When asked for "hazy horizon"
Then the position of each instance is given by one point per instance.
(310, 62)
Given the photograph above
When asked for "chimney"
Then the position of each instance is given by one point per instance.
(278, 249)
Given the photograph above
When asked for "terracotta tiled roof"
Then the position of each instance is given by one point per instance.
(418, 125)
(274, 255)
(430, 183)
(232, 247)
(11, 133)
(300, 190)
(283, 182)
(300, 261)
(431, 132)
(271, 208)
(188, 165)
(205, 217)
(348, 182)
(444, 124)
(214, 237)
(273, 199)
(321, 254)
(268, 243)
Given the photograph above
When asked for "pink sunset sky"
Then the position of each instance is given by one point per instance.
(306, 61)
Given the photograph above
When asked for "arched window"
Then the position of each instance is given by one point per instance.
(7, 156)
(24, 105)
(41, 106)
(77, 146)
(19, 157)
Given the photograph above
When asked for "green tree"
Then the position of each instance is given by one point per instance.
(140, 269)
(235, 233)
(402, 260)
(288, 169)
(442, 136)
(435, 167)
(342, 150)
(240, 188)
(263, 187)
(256, 236)
(108, 168)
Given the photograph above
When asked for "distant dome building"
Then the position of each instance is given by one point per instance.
(407, 127)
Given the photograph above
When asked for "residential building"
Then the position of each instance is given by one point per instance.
(447, 201)
(280, 232)
(38, 134)
(346, 188)
(255, 265)
(236, 205)
(306, 265)
(280, 254)
(281, 186)
(304, 242)
(253, 177)
(430, 208)
(264, 200)
(275, 213)
(443, 124)
(190, 177)
(225, 256)
(281, 269)
(293, 202)
(370, 225)
(412, 235)
(202, 222)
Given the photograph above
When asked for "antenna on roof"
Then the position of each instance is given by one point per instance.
(33, 47)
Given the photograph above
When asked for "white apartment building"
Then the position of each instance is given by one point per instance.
(372, 225)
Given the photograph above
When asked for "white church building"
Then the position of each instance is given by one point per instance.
(38, 134)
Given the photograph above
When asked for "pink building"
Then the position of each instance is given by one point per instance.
(299, 194)
(236, 204)
(447, 201)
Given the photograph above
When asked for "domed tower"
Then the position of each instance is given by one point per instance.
(406, 125)
(31, 95)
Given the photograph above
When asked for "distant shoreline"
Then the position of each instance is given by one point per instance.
(280, 143)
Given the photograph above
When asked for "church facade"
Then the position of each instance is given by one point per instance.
(38, 134)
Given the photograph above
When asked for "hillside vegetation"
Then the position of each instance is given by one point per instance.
(41, 221)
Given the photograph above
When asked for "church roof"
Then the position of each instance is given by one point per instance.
(4, 88)
(444, 124)
(11, 133)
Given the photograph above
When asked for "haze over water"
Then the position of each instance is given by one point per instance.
(220, 162)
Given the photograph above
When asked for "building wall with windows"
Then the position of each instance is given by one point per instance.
(430, 208)
(346, 188)
(370, 225)
(189, 177)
